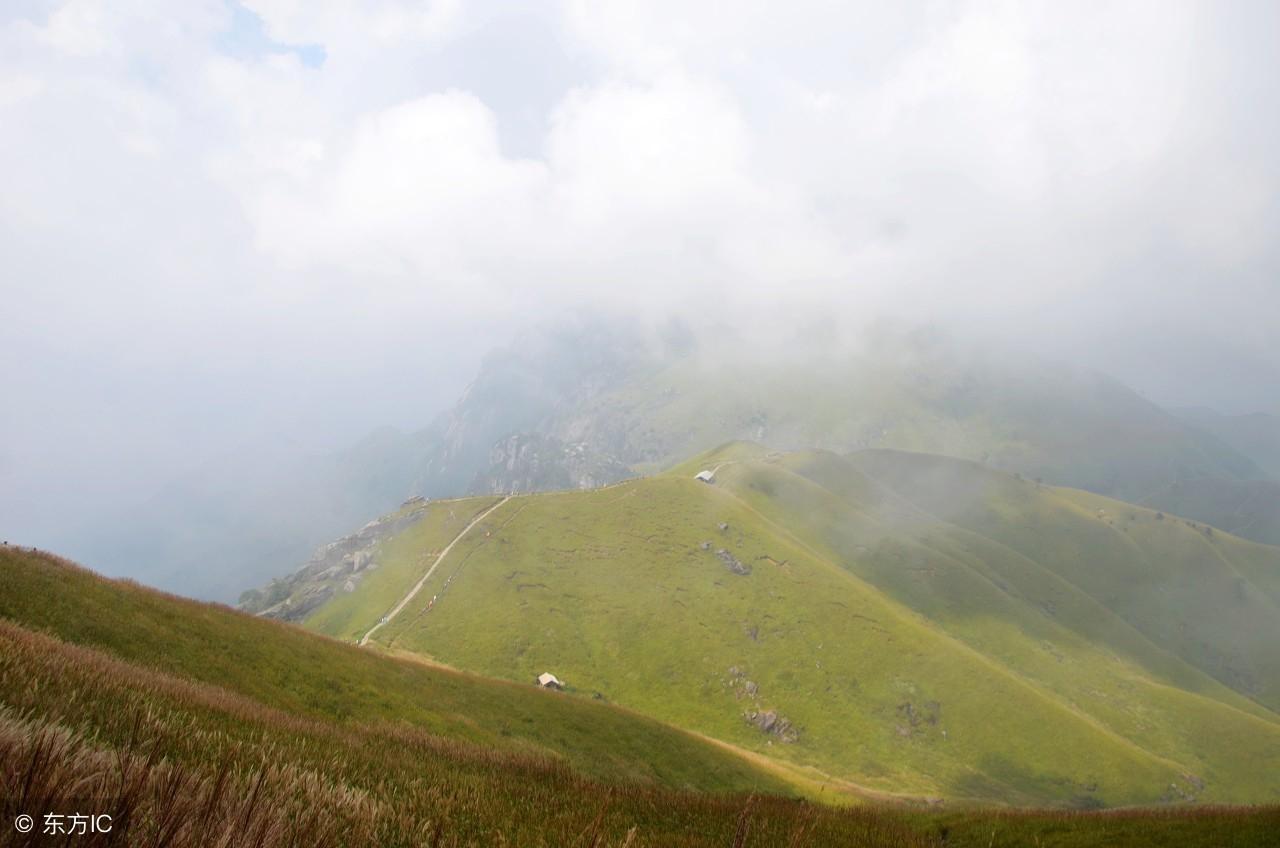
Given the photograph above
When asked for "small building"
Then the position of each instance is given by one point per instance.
(547, 680)
(705, 476)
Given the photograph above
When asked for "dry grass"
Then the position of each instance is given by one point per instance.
(178, 763)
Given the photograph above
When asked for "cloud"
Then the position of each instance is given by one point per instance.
(421, 187)
(231, 217)
(340, 24)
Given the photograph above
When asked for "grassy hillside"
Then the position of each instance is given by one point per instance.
(119, 699)
(216, 728)
(839, 623)
(1256, 435)
(1249, 508)
(909, 392)
(284, 668)
(1204, 596)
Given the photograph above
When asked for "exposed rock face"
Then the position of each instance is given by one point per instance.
(731, 562)
(525, 424)
(768, 721)
(531, 462)
(337, 566)
(913, 717)
(765, 720)
(1187, 793)
(530, 422)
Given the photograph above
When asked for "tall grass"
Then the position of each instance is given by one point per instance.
(45, 768)
(179, 763)
(182, 762)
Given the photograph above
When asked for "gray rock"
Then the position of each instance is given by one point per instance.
(731, 562)
(770, 722)
(331, 569)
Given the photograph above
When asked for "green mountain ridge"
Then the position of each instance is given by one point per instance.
(195, 725)
(1255, 435)
(589, 403)
(910, 623)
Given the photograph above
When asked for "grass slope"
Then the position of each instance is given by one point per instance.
(401, 561)
(287, 669)
(129, 721)
(904, 652)
(916, 393)
(1205, 596)
(1248, 508)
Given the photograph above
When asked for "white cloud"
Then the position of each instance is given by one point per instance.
(175, 206)
(19, 88)
(420, 188)
(77, 28)
(345, 24)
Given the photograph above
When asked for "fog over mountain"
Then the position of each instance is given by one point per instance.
(237, 239)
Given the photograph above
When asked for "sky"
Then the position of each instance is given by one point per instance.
(222, 222)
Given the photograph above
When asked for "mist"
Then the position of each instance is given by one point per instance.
(229, 228)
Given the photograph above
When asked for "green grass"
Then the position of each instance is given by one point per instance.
(910, 393)
(1203, 596)
(1249, 508)
(285, 668)
(402, 560)
(914, 655)
(186, 763)
(114, 697)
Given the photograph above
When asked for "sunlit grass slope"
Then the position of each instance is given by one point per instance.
(872, 640)
(402, 561)
(123, 699)
(287, 669)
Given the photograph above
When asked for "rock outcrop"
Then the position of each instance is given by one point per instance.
(336, 567)
(768, 721)
(532, 462)
(732, 563)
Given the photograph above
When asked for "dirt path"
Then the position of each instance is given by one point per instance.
(364, 640)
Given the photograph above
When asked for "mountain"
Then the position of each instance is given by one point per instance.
(236, 521)
(911, 624)
(585, 404)
(1256, 435)
(913, 391)
(1248, 507)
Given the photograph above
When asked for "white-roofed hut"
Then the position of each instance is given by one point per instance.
(547, 680)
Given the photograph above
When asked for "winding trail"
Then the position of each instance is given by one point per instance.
(364, 640)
